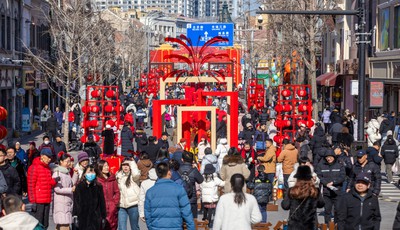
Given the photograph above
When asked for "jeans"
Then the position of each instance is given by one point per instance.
(389, 172)
(263, 210)
(285, 181)
(132, 213)
(330, 202)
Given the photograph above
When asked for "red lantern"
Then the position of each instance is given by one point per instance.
(95, 109)
(303, 108)
(252, 83)
(84, 139)
(3, 113)
(84, 109)
(96, 137)
(95, 93)
(278, 108)
(286, 93)
(278, 123)
(309, 123)
(301, 93)
(121, 108)
(110, 122)
(300, 122)
(278, 139)
(108, 108)
(287, 123)
(287, 108)
(94, 123)
(110, 94)
(286, 136)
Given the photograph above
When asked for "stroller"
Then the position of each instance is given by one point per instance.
(74, 142)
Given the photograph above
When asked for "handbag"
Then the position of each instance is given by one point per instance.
(395, 167)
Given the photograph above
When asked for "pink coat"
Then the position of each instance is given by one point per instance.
(63, 195)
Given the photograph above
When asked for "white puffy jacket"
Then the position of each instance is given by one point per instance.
(129, 195)
(146, 185)
(209, 189)
(373, 132)
(222, 150)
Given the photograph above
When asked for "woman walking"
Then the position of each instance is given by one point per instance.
(303, 200)
(236, 210)
(63, 198)
(111, 193)
(89, 204)
(128, 179)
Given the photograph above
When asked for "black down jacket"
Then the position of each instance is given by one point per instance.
(262, 189)
(389, 151)
(334, 172)
(373, 170)
(354, 213)
(305, 216)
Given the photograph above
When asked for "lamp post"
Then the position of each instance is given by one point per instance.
(150, 18)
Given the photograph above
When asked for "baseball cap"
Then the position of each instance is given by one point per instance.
(46, 152)
(361, 153)
(365, 177)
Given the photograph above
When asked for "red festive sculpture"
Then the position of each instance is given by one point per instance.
(196, 58)
(94, 123)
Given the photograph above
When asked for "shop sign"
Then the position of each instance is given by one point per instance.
(376, 94)
(354, 87)
(26, 120)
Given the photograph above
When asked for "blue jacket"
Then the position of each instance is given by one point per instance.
(59, 117)
(166, 205)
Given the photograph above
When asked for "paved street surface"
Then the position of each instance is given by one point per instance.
(388, 202)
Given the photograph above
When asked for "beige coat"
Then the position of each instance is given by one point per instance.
(269, 160)
(232, 165)
(288, 158)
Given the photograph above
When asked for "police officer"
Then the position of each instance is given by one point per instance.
(366, 166)
(332, 175)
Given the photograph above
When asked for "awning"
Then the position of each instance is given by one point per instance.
(327, 79)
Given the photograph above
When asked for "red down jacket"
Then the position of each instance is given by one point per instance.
(40, 182)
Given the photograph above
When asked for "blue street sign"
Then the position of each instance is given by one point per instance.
(200, 33)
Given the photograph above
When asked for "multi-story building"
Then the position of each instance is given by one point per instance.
(21, 87)
(384, 61)
(188, 8)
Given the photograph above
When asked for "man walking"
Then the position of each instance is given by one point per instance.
(166, 203)
(40, 184)
(44, 115)
(359, 209)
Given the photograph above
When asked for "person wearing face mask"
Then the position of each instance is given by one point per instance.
(89, 208)
(47, 145)
(40, 185)
(250, 157)
(83, 162)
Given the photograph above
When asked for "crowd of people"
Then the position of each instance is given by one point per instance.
(161, 183)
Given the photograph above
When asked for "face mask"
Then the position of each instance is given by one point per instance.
(46, 142)
(90, 177)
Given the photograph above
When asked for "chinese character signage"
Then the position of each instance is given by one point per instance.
(200, 33)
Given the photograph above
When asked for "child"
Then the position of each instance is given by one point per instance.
(262, 191)
(209, 192)
(144, 165)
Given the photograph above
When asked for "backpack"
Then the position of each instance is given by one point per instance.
(186, 183)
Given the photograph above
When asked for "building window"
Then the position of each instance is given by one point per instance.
(397, 27)
(3, 31)
(384, 28)
(8, 34)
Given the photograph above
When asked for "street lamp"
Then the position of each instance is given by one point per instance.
(150, 18)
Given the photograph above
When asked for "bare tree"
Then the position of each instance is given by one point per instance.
(300, 33)
(82, 43)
